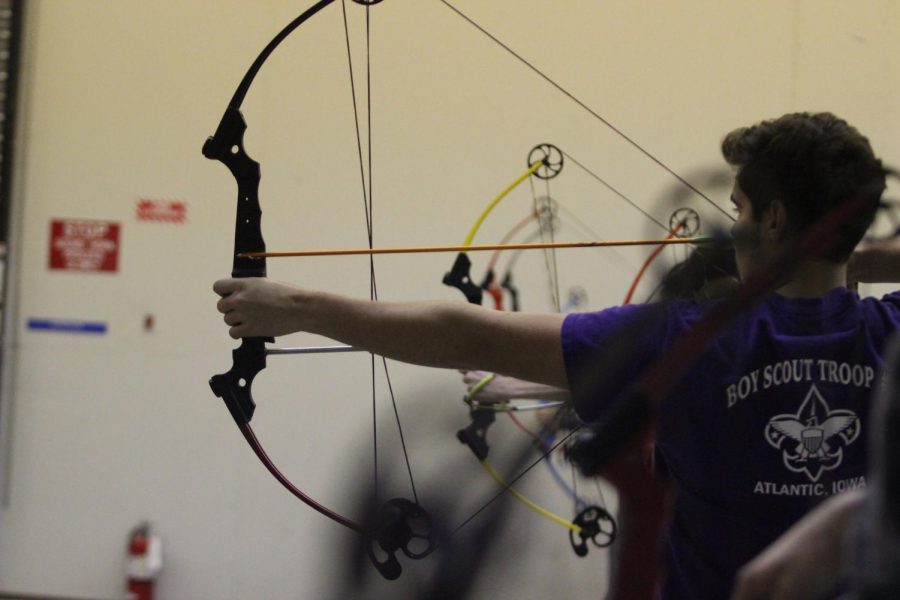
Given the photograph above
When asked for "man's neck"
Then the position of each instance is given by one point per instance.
(815, 279)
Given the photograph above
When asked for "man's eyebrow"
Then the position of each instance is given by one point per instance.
(733, 199)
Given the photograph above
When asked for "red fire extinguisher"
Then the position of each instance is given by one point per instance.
(144, 561)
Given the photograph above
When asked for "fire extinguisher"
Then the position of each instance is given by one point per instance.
(144, 561)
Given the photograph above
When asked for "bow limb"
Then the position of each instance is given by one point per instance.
(640, 274)
(544, 213)
(489, 282)
(645, 501)
(459, 275)
(227, 147)
(474, 436)
(250, 436)
(684, 221)
(473, 231)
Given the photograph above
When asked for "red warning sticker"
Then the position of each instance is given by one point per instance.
(84, 245)
(164, 211)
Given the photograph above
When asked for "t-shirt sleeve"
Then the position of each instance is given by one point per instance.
(893, 299)
(605, 351)
(883, 317)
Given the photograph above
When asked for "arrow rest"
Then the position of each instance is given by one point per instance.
(597, 525)
(399, 525)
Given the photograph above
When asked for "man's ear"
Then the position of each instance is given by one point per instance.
(775, 221)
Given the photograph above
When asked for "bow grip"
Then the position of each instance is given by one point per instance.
(475, 434)
(459, 277)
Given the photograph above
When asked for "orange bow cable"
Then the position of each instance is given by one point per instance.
(646, 265)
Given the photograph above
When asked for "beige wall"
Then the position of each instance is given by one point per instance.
(118, 98)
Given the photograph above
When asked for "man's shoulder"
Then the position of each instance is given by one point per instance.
(615, 316)
(889, 302)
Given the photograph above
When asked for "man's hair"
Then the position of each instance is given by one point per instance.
(709, 272)
(812, 163)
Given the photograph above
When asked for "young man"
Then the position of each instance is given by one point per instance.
(764, 426)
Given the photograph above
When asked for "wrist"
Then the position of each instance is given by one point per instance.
(310, 311)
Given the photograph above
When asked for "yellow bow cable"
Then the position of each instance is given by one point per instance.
(479, 386)
(518, 496)
(495, 475)
(531, 171)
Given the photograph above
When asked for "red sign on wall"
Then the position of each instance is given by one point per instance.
(84, 245)
(164, 211)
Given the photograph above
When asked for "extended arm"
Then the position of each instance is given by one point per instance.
(806, 561)
(875, 263)
(436, 334)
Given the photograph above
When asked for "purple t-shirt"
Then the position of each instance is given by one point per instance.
(771, 420)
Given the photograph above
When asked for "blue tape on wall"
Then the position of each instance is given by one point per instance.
(67, 326)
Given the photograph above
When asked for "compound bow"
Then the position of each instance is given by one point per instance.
(399, 525)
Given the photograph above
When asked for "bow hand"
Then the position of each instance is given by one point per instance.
(259, 308)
